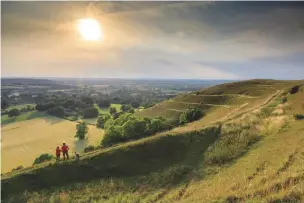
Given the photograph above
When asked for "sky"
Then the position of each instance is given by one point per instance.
(167, 40)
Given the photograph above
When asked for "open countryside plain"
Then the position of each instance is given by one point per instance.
(24, 141)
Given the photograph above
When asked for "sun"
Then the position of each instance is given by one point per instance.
(90, 29)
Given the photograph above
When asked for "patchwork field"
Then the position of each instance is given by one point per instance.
(23, 141)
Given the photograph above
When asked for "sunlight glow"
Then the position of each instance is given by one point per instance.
(90, 29)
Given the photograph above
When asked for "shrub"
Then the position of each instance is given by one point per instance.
(89, 148)
(133, 129)
(104, 103)
(91, 112)
(190, 115)
(232, 143)
(13, 113)
(102, 120)
(157, 125)
(57, 111)
(299, 116)
(18, 168)
(112, 135)
(112, 110)
(81, 130)
(265, 112)
(294, 89)
(4, 104)
(284, 100)
(125, 107)
(43, 158)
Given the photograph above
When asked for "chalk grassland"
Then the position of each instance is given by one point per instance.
(261, 160)
(24, 141)
(218, 100)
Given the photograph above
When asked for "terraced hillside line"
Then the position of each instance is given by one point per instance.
(175, 110)
(218, 95)
(269, 100)
(218, 105)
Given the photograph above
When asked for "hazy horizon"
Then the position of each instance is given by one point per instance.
(154, 40)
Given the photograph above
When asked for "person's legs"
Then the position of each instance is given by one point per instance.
(63, 153)
(67, 154)
(58, 158)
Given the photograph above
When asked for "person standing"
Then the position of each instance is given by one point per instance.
(65, 151)
(58, 152)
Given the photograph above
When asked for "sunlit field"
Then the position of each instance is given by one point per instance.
(24, 141)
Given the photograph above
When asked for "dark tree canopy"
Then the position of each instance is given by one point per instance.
(190, 115)
(13, 113)
(91, 112)
(4, 104)
(57, 111)
(112, 110)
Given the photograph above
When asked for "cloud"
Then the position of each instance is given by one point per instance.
(154, 39)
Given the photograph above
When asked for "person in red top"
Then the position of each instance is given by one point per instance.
(58, 152)
(65, 151)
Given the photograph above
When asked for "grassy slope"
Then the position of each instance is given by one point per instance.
(170, 168)
(218, 100)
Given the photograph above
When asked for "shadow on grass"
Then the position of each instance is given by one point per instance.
(126, 161)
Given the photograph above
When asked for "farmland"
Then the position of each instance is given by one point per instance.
(24, 141)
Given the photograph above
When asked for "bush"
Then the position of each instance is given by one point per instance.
(102, 120)
(89, 148)
(57, 111)
(112, 110)
(125, 107)
(299, 116)
(112, 135)
(18, 168)
(265, 112)
(190, 115)
(13, 113)
(232, 143)
(134, 129)
(4, 104)
(43, 158)
(81, 130)
(104, 103)
(91, 112)
(294, 89)
(157, 125)
(284, 100)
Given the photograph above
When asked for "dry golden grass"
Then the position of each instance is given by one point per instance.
(24, 141)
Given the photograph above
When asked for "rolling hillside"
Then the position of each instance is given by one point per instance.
(248, 148)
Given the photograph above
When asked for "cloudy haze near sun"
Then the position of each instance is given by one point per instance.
(198, 40)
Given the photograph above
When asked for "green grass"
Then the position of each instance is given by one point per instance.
(20, 106)
(22, 117)
(174, 167)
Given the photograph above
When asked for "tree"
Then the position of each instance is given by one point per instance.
(125, 107)
(112, 110)
(134, 129)
(57, 111)
(135, 104)
(88, 100)
(131, 111)
(112, 135)
(4, 104)
(294, 89)
(81, 130)
(190, 115)
(13, 113)
(102, 120)
(104, 103)
(91, 112)
(70, 103)
(157, 125)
